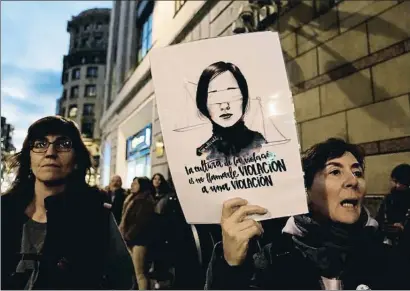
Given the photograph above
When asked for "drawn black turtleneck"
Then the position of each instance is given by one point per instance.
(222, 96)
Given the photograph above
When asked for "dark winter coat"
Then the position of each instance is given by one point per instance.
(280, 265)
(117, 204)
(82, 248)
(137, 222)
(394, 207)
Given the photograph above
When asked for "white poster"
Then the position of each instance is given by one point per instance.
(227, 118)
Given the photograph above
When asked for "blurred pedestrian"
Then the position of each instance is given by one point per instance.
(333, 247)
(162, 192)
(163, 249)
(392, 212)
(115, 197)
(137, 226)
(56, 233)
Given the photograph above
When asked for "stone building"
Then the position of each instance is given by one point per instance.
(6, 137)
(83, 76)
(7, 149)
(348, 65)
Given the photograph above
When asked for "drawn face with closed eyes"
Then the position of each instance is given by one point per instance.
(225, 100)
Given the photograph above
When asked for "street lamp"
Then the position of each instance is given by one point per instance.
(256, 16)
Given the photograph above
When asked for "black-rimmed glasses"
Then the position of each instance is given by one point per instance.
(60, 145)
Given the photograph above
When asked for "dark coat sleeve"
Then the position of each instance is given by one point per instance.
(380, 217)
(119, 269)
(220, 275)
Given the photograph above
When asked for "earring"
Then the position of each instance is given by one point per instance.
(30, 174)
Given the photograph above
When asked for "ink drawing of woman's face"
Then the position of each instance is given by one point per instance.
(225, 100)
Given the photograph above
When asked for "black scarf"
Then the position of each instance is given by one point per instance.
(231, 140)
(329, 244)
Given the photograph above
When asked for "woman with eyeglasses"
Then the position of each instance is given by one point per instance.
(56, 232)
(222, 96)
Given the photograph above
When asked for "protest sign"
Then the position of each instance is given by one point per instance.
(227, 119)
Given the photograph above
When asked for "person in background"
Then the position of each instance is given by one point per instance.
(162, 248)
(56, 232)
(162, 192)
(115, 197)
(404, 242)
(137, 226)
(333, 247)
(392, 212)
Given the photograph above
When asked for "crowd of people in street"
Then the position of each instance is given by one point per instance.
(58, 232)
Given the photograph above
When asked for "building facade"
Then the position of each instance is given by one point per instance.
(348, 64)
(6, 137)
(83, 76)
(7, 149)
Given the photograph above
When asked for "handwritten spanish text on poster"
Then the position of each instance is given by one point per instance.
(227, 119)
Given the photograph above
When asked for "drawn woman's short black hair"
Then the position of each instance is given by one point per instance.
(210, 73)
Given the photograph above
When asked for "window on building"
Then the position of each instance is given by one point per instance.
(88, 110)
(92, 72)
(87, 129)
(65, 77)
(72, 112)
(98, 26)
(84, 42)
(64, 96)
(179, 4)
(86, 27)
(74, 92)
(90, 91)
(98, 41)
(75, 74)
(144, 28)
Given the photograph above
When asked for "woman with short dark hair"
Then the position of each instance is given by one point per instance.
(335, 246)
(56, 233)
(222, 96)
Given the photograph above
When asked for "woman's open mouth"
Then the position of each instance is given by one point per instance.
(349, 203)
(225, 116)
